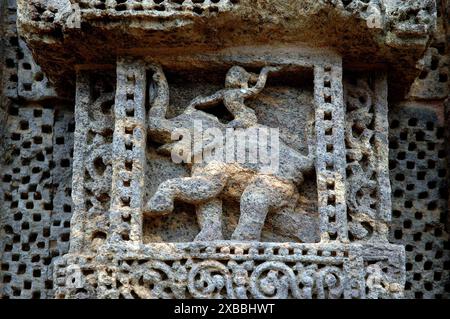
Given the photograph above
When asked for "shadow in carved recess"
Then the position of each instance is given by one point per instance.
(237, 197)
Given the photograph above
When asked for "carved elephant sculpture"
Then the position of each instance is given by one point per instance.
(212, 180)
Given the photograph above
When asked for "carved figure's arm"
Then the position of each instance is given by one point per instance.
(261, 83)
(205, 102)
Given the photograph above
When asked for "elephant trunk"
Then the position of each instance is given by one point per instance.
(158, 94)
(159, 128)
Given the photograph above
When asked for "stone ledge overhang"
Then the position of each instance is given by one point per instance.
(387, 34)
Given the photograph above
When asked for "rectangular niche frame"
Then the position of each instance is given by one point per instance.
(130, 116)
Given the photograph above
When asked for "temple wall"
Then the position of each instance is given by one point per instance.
(48, 141)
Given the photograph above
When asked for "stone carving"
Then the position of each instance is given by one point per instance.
(92, 191)
(370, 10)
(36, 194)
(98, 162)
(413, 18)
(378, 286)
(178, 8)
(257, 191)
(401, 28)
(76, 83)
(22, 77)
(433, 81)
(222, 270)
(418, 171)
(125, 267)
(366, 144)
(33, 84)
(362, 192)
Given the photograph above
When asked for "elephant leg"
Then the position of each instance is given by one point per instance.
(205, 185)
(209, 216)
(254, 209)
(261, 196)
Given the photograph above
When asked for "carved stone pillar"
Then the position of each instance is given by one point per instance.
(330, 165)
(128, 155)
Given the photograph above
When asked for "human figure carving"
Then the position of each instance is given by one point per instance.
(233, 96)
(213, 180)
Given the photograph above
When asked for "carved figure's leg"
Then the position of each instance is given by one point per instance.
(264, 194)
(243, 118)
(207, 183)
(209, 217)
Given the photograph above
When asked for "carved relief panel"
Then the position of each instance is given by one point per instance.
(247, 173)
(276, 104)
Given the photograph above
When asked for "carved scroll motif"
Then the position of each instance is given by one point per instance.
(92, 166)
(366, 148)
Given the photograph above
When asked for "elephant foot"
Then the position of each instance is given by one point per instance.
(209, 234)
(159, 205)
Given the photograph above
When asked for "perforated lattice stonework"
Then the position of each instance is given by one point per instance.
(35, 191)
(418, 170)
(196, 7)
